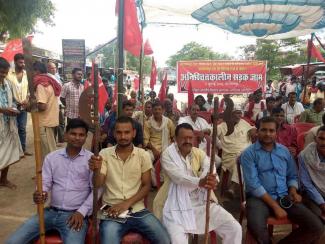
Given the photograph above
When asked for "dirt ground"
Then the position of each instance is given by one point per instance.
(17, 205)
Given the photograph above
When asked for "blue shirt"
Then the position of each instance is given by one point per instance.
(308, 184)
(268, 172)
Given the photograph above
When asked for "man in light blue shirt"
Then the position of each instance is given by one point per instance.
(271, 188)
(312, 173)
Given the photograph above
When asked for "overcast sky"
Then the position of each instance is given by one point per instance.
(95, 22)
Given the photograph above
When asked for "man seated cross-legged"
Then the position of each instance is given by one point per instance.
(271, 187)
(181, 201)
(67, 177)
(125, 176)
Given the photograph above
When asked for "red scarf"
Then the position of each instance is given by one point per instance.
(46, 80)
(251, 107)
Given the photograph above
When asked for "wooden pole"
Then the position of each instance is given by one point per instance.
(27, 47)
(141, 83)
(96, 151)
(305, 80)
(212, 167)
(120, 38)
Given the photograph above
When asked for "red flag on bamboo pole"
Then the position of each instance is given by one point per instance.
(132, 33)
(153, 76)
(315, 52)
(12, 48)
(102, 93)
(190, 93)
(163, 89)
(147, 48)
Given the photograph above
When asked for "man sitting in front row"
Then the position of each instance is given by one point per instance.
(271, 187)
(125, 175)
(312, 173)
(67, 176)
(181, 201)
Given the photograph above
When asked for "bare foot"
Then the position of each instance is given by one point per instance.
(8, 184)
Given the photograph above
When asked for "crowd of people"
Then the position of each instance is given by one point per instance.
(261, 135)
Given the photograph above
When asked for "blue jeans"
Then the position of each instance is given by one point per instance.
(143, 222)
(54, 220)
(21, 125)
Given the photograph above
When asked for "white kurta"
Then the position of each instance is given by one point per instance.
(220, 220)
(291, 112)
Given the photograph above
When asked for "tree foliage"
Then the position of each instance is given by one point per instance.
(110, 59)
(277, 53)
(18, 17)
(195, 51)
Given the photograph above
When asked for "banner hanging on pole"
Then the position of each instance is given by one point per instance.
(222, 77)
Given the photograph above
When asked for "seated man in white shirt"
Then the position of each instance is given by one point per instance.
(181, 201)
(292, 108)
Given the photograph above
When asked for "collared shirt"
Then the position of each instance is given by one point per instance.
(19, 88)
(287, 136)
(310, 116)
(268, 172)
(123, 178)
(311, 135)
(291, 112)
(71, 92)
(308, 184)
(199, 124)
(69, 180)
(208, 106)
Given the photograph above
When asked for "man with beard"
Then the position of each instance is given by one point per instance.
(271, 186)
(67, 177)
(19, 83)
(125, 176)
(181, 201)
(70, 95)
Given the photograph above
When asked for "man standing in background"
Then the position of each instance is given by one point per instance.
(70, 94)
(59, 130)
(19, 83)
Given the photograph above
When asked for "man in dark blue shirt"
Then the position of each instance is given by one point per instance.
(271, 188)
(128, 108)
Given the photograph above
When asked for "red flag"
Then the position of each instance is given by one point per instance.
(163, 89)
(136, 83)
(190, 93)
(147, 48)
(12, 48)
(132, 33)
(102, 93)
(315, 52)
(153, 74)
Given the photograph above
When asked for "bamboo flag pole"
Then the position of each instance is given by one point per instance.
(212, 167)
(96, 151)
(27, 47)
(306, 74)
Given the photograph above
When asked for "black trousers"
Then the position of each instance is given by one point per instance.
(310, 226)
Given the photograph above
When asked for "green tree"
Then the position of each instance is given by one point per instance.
(133, 63)
(18, 17)
(195, 51)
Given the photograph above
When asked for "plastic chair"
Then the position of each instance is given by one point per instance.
(271, 221)
(303, 127)
(52, 237)
(301, 141)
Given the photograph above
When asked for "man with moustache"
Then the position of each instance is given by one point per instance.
(181, 201)
(271, 186)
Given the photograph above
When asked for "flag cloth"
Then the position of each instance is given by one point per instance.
(131, 28)
(102, 93)
(12, 48)
(153, 76)
(315, 52)
(147, 48)
(163, 89)
(136, 83)
(190, 93)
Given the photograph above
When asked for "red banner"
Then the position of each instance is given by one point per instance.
(222, 77)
